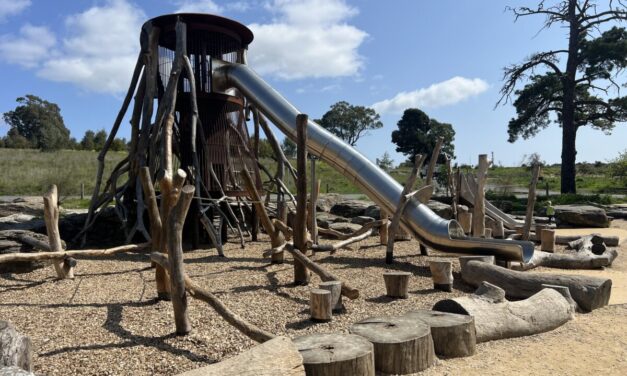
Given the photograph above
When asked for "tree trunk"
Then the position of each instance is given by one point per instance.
(396, 284)
(497, 318)
(402, 345)
(320, 305)
(278, 356)
(301, 274)
(569, 128)
(335, 287)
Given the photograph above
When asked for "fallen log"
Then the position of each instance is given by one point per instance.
(347, 290)
(341, 244)
(497, 318)
(252, 331)
(453, 335)
(15, 257)
(278, 356)
(589, 292)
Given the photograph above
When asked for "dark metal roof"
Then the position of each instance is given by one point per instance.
(205, 21)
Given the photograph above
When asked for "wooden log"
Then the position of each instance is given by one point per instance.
(487, 233)
(335, 288)
(465, 220)
(573, 240)
(175, 253)
(498, 232)
(396, 284)
(301, 274)
(401, 345)
(336, 354)
(276, 238)
(531, 201)
(565, 292)
(341, 244)
(15, 348)
(400, 207)
(51, 218)
(442, 275)
(41, 256)
(547, 239)
(320, 305)
(383, 229)
(434, 160)
(278, 356)
(450, 186)
(315, 190)
(454, 335)
(582, 260)
(324, 275)
(463, 260)
(156, 227)
(589, 292)
(478, 215)
(252, 331)
(497, 318)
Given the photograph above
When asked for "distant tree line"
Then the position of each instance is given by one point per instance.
(37, 124)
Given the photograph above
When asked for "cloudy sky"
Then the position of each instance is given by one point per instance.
(442, 56)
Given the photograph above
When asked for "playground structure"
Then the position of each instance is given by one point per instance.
(195, 67)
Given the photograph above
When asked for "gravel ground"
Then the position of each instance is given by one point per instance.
(107, 321)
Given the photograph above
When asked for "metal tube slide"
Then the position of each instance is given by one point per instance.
(428, 227)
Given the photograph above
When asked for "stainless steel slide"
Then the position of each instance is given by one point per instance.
(428, 227)
(469, 185)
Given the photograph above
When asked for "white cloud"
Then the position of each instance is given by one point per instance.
(27, 49)
(198, 6)
(440, 94)
(12, 7)
(101, 49)
(308, 39)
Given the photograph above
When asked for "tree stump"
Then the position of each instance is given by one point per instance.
(442, 275)
(547, 238)
(396, 284)
(336, 354)
(401, 345)
(465, 220)
(498, 232)
(15, 348)
(335, 287)
(453, 335)
(320, 305)
(487, 233)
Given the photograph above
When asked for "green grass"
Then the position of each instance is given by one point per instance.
(30, 172)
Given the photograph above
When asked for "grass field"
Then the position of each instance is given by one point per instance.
(30, 172)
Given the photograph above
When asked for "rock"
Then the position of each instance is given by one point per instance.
(344, 227)
(23, 205)
(373, 211)
(362, 220)
(326, 201)
(18, 221)
(10, 242)
(440, 209)
(351, 208)
(581, 216)
(14, 371)
(15, 348)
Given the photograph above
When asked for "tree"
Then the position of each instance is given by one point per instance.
(39, 121)
(265, 149)
(418, 134)
(350, 122)
(575, 94)
(385, 163)
(289, 148)
(87, 143)
(99, 139)
(15, 140)
(119, 144)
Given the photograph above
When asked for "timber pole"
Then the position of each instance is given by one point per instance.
(301, 273)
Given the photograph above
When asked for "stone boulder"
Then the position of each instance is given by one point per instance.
(362, 220)
(440, 209)
(351, 208)
(581, 216)
(326, 201)
(346, 228)
(15, 348)
(12, 241)
(373, 211)
(325, 219)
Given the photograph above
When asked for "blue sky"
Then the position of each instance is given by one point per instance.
(444, 57)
